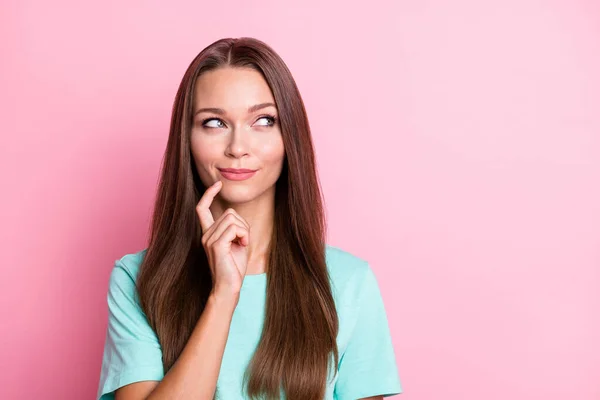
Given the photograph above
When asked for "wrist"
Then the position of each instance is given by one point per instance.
(224, 298)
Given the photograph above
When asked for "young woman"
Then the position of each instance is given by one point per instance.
(237, 295)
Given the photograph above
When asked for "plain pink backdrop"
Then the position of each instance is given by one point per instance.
(458, 147)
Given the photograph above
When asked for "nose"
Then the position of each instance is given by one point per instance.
(237, 146)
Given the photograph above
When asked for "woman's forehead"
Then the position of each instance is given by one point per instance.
(231, 88)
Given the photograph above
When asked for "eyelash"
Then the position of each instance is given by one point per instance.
(269, 117)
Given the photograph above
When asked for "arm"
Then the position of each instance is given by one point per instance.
(194, 374)
(367, 368)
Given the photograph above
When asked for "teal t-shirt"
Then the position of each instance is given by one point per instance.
(367, 365)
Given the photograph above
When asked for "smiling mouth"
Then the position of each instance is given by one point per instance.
(234, 174)
(236, 170)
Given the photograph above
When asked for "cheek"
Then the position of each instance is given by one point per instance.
(203, 151)
(205, 157)
(271, 149)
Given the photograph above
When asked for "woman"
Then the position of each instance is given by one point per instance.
(237, 295)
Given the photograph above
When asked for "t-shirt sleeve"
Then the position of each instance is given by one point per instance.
(132, 352)
(368, 365)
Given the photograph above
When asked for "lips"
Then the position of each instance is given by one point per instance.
(236, 170)
(236, 174)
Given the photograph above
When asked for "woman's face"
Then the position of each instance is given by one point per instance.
(236, 125)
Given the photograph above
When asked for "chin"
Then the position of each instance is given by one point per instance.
(233, 192)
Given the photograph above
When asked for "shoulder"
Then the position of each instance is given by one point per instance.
(347, 272)
(127, 267)
(123, 277)
(343, 263)
(124, 307)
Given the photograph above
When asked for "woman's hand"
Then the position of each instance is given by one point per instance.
(226, 244)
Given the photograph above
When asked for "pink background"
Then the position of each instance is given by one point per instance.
(459, 151)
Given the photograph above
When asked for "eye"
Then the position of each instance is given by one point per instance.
(271, 120)
(218, 121)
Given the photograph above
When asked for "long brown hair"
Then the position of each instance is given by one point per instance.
(299, 332)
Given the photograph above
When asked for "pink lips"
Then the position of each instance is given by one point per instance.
(236, 174)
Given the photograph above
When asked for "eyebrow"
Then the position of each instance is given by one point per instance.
(220, 111)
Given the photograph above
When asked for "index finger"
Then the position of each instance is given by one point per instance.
(206, 217)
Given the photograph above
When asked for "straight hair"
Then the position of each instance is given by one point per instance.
(298, 339)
